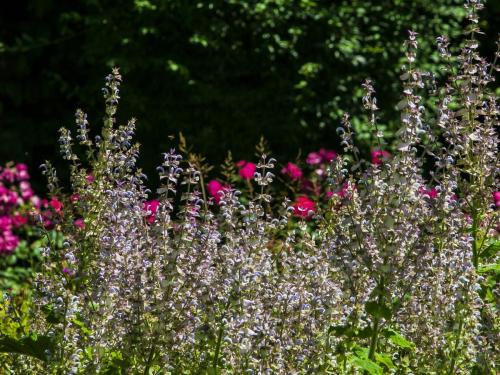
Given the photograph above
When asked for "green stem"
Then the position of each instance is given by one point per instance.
(217, 348)
(474, 238)
(457, 342)
(150, 358)
(374, 340)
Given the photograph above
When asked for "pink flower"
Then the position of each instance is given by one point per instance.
(215, 189)
(379, 156)
(26, 190)
(431, 193)
(89, 178)
(151, 207)
(79, 223)
(7, 175)
(56, 204)
(247, 169)
(74, 197)
(19, 220)
(322, 156)
(5, 223)
(343, 192)
(304, 207)
(327, 155)
(313, 158)
(7, 196)
(292, 171)
(8, 242)
(22, 172)
(496, 198)
(36, 201)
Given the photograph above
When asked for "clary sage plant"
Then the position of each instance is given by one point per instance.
(396, 273)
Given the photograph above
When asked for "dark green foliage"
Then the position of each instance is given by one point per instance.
(223, 72)
(34, 346)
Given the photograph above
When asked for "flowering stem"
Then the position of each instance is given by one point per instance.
(474, 238)
(457, 342)
(219, 337)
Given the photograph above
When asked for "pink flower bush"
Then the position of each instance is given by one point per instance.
(16, 198)
(304, 207)
(292, 171)
(247, 169)
(378, 156)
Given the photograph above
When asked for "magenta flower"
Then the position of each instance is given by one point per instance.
(343, 192)
(8, 197)
(68, 271)
(7, 175)
(304, 207)
(19, 220)
(327, 155)
(151, 207)
(74, 197)
(56, 204)
(496, 198)
(22, 172)
(215, 189)
(79, 223)
(5, 223)
(322, 156)
(379, 156)
(431, 193)
(247, 169)
(8, 242)
(314, 158)
(26, 190)
(292, 171)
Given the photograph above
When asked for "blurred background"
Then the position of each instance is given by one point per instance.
(223, 72)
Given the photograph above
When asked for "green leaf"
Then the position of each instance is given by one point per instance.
(385, 359)
(82, 326)
(378, 310)
(366, 365)
(340, 331)
(397, 339)
(491, 250)
(33, 346)
(495, 267)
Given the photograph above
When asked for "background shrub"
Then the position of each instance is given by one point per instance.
(223, 72)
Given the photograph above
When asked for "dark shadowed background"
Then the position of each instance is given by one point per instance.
(223, 72)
